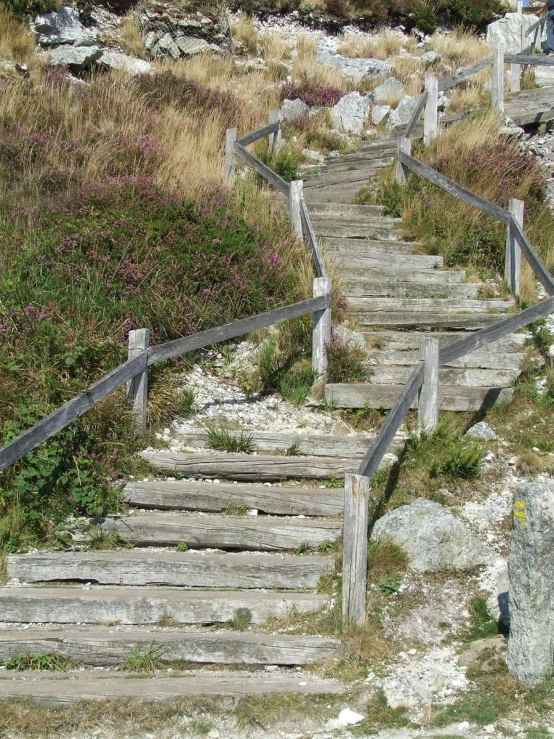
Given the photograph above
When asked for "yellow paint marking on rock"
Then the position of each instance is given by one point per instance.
(520, 512)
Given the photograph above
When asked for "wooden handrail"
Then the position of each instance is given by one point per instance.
(266, 172)
(259, 134)
(308, 228)
(80, 404)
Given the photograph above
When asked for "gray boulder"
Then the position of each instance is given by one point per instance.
(357, 70)
(351, 112)
(507, 31)
(392, 86)
(483, 431)
(430, 57)
(76, 58)
(403, 112)
(63, 27)
(353, 339)
(118, 60)
(433, 538)
(292, 109)
(379, 113)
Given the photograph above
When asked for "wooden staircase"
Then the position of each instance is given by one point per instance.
(395, 293)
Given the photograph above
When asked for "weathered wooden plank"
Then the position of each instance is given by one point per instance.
(531, 30)
(364, 261)
(498, 78)
(403, 403)
(259, 134)
(137, 393)
(537, 265)
(395, 375)
(216, 497)
(262, 169)
(354, 561)
(401, 341)
(344, 230)
(317, 445)
(412, 123)
(295, 199)
(450, 305)
(435, 278)
(237, 328)
(531, 60)
(221, 532)
(250, 468)
(396, 288)
(458, 398)
(70, 411)
(229, 164)
(321, 332)
(498, 330)
(454, 189)
(485, 358)
(431, 114)
(100, 605)
(340, 170)
(429, 320)
(182, 569)
(319, 263)
(103, 646)
(322, 221)
(49, 690)
(428, 400)
(335, 244)
(346, 210)
(464, 74)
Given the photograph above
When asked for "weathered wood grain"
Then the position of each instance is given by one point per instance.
(137, 393)
(396, 288)
(422, 319)
(336, 245)
(431, 113)
(401, 341)
(275, 139)
(498, 78)
(498, 330)
(181, 569)
(49, 690)
(295, 198)
(537, 265)
(101, 646)
(423, 305)
(214, 498)
(458, 398)
(100, 605)
(455, 376)
(221, 532)
(531, 106)
(266, 172)
(321, 331)
(412, 123)
(317, 445)
(436, 278)
(237, 328)
(261, 133)
(485, 358)
(402, 404)
(317, 257)
(250, 468)
(354, 561)
(365, 261)
(346, 209)
(532, 61)
(453, 188)
(428, 400)
(464, 74)
(512, 261)
(70, 411)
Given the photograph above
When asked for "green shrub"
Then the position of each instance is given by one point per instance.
(425, 18)
(481, 623)
(23, 8)
(45, 661)
(345, 363)
(447, 453)
(224, 441)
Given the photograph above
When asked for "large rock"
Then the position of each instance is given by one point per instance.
(507, 31)
(76, 58)
(392, 86)
(351, 112)
(118, 60)
(63, 27)
(292, 109)
(432, 537)
(379, 114)
(170, 31)
(357, 70)
(403, 112)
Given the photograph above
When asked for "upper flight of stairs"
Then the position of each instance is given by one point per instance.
(395, 293)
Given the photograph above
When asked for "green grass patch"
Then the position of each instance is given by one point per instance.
(144, 660)
(46, 661)
(224, 440)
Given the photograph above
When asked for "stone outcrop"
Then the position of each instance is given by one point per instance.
(432, 537)
(76, 58)
(392, 86)
(170, 31)
(507, 31)
(63, 27)
(357, 70)
(351, 112)
(403, 112)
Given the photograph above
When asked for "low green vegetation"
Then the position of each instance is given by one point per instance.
(481, 623)
(345, 362)
(144, 660)
(224, 440)
(46, 661)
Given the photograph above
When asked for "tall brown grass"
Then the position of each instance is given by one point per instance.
(16, 41)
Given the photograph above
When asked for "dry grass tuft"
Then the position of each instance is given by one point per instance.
(243, 30)
(130, 38)
(460, 48)
(16, 41)
(383, 45)
(364, 645)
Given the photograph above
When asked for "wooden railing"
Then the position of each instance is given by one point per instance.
(422, 389)
(293, 191)
(141, 355)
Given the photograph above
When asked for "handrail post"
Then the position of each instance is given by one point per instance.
(230, 156)
(405, 147)
(137, 393)
(431, 114)
(321, 335)
(512, 263)
(428, 402)
(295, 197)
(354, 559)
(519, 7)
(497, 86)
(275, 139)
(515, 77)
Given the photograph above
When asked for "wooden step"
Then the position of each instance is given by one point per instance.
(385, 375)
(316, 445)
(384, 396)
(345, 210)
(183, 569)
(410, 340)
(221, 532)
(106, 605)
(480, 359)
(341, 193)
(339, 172)
(214, 498)
(67, 688)
(409, 289)
(424, 305)
(430, 320)
(394, 274)
(333, 246)
(357, 263)
(251, 467)
(375, 229)
(102, 646)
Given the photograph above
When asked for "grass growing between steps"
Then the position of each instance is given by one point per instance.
(476, 155)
